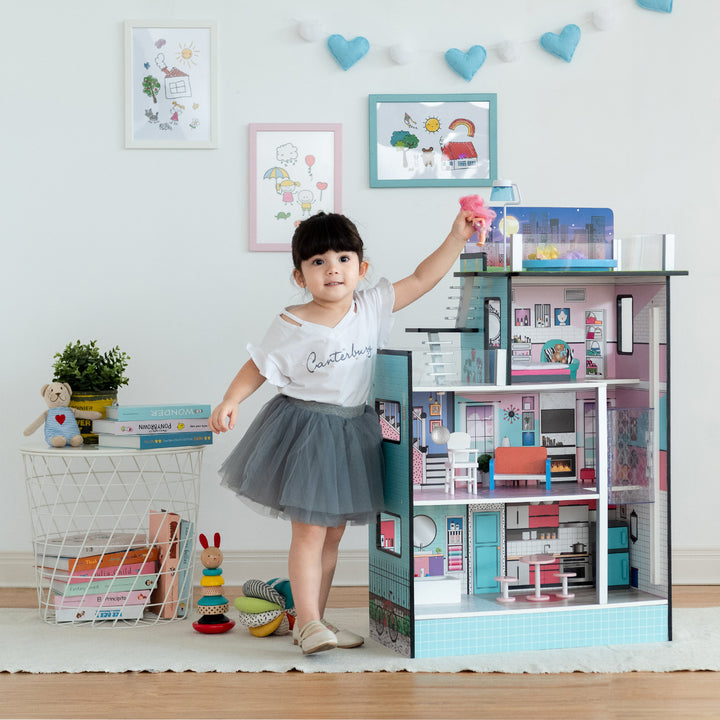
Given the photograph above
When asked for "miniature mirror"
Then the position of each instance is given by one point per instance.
(625, 324)
(492, 322)
(424, 531)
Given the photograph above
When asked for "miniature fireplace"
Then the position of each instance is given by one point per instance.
(562, 466)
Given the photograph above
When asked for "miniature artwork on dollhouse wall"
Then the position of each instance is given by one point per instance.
(526, 442)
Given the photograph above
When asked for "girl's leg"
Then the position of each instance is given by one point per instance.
(305, 566)
(329, 561)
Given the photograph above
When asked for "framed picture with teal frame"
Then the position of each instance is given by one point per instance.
(433, 140)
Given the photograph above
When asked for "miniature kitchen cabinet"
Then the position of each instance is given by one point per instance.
(605, 428)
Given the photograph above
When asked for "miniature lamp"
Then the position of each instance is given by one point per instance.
(504, 192)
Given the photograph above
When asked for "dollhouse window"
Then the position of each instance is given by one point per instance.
(390, 413)
(389, 533)
(480, 425)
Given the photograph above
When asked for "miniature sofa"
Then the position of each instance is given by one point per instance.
(520, 463)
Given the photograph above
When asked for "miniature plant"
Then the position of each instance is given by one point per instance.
(484, 462)
(86, 369)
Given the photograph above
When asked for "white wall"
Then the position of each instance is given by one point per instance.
(93, 245)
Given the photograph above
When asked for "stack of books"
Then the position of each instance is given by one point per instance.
(174, 539)
(144, 427)
(100, 576)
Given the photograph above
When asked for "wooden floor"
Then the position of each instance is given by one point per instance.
(460, 696)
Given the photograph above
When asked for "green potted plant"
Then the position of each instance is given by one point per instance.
(484, 464)
(94, 377)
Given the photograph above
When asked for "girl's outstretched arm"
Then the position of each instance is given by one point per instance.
(434, 267)
(245, 383)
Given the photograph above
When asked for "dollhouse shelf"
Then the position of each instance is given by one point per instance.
(443, 330)
(528, 388)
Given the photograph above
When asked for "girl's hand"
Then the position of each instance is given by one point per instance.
(226, 410)
(463, 227)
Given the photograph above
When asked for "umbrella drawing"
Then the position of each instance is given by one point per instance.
(275, 173)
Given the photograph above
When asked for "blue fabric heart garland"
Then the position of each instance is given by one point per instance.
(347, 53)
(562, 45)
(659, 5)
(466, 64)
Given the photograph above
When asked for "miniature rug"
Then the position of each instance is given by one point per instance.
(27, 644)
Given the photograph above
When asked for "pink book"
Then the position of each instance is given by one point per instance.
(103, 573)
(165, 537)
(114, 599)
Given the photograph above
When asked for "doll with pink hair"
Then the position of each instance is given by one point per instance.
(483, 215)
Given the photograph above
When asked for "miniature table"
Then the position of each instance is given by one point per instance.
(537, 560)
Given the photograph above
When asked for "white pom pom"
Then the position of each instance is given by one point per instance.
(508, 51)
(603, 19)
(400, 54)
(309, 30)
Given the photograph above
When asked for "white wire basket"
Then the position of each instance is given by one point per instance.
(113, 533)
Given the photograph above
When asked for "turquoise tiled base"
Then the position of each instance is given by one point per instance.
(513, 632)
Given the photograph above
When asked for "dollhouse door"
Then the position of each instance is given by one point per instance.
(486, 551)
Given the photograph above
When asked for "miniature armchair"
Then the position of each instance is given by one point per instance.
(558, 351)
(463, 458)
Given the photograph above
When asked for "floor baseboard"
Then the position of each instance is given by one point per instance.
(17, 569)
(691, 566)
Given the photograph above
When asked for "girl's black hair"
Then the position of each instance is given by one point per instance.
(323, 232)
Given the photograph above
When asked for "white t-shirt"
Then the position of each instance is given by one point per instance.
(330, 365)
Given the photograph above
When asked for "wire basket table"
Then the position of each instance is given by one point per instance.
(113, 532)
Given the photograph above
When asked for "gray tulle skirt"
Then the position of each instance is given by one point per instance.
(310, 462)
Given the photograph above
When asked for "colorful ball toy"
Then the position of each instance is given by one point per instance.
(266, 608)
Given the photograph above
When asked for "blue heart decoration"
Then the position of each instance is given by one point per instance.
(659, 5)
(347, 53)
(466, 64)
(562, 45)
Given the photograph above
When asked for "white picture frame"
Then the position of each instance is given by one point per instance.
(170, 84)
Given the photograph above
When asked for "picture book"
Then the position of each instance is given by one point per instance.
(83, 614)
(148, 427)
(85, 575)
(155, 441)
(157, 412)
(120, 558)
(135, 597)
(125, 583)
(187, 545)
(165, 536)
(84, 544)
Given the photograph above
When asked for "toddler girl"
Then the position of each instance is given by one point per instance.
(313, 454)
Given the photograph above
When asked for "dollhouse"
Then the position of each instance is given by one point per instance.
(526, 438)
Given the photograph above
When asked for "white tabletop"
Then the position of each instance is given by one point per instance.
(86, 451)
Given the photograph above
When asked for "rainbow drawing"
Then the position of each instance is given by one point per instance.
(469, 124)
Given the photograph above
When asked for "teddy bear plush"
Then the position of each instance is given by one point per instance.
(61, 428)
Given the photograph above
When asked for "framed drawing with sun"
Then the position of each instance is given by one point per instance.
(433, 140)
(295, 172)
(170, 85)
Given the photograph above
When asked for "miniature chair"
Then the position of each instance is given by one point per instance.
(461, 457)
(559, 351)
(505, 581)
(565, 595)
(587, 474)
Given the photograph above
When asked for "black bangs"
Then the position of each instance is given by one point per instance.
(323, 232)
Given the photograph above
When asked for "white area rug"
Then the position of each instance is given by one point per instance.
(27, 644)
